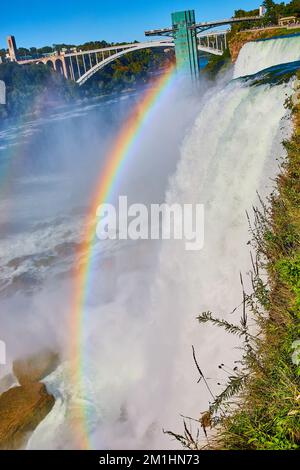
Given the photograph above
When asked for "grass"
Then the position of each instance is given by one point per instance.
(259, 409)
(271, 33)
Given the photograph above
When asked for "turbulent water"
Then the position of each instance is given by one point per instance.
(259, 55)
(141, 321)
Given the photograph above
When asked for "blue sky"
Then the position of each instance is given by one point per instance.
(39, 23)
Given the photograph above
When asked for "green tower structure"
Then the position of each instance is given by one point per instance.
(185, 39)
(184, 31)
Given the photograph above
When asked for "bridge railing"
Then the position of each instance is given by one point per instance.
(214, 24)
(89, 71)
(79, 65)
(115, 48)
(214, 41)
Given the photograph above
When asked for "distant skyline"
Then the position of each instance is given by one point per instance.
(36, 23)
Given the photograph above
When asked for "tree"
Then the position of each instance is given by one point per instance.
(245, 25)
(33, 51)
(271, 11)
(293, 8)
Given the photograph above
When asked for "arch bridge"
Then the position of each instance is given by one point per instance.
(185, 35)
(79, 66)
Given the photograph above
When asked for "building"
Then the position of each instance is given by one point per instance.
(12, 48)
(287, 20)
(262, 10)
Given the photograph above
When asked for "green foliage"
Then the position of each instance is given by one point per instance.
(33, 87)
(217, 64)
(245, 25)
(274, 11)
(206, 317)
(128, 71)
(277, 10)
(289, 272)
(24, 84)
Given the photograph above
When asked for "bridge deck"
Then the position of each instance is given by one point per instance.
(210, 50)
(214, 24)
(206, 34)
(204, 25)
(116, 48)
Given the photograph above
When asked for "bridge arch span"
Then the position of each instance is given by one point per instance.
(112, 58)
(49, 63)
(58, 66)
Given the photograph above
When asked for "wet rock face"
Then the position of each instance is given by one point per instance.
(21, 410)
(7, 382)
(35, 368)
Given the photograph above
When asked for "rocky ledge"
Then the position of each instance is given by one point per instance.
(240, 39)
(21, 410)
(23, 407)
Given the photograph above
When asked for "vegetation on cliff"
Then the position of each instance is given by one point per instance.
(30, 87)
(238, 39)
(274, 11)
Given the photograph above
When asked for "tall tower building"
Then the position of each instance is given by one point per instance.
(12, 48)
(186, 43)
(262, 10)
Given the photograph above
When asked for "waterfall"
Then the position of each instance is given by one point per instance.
(260, 55)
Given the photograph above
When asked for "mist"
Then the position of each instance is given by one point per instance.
(140, 319)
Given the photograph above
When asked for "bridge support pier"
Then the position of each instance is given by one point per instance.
(185, 39)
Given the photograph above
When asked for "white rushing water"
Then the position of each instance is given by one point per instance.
(260, 55)
(140, 375)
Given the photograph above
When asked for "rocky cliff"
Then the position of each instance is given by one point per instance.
(23, 407)
(238, 40)
(21, 410)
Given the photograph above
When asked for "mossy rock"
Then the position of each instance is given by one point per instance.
(21, 410)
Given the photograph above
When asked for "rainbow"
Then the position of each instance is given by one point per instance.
(127, 139)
